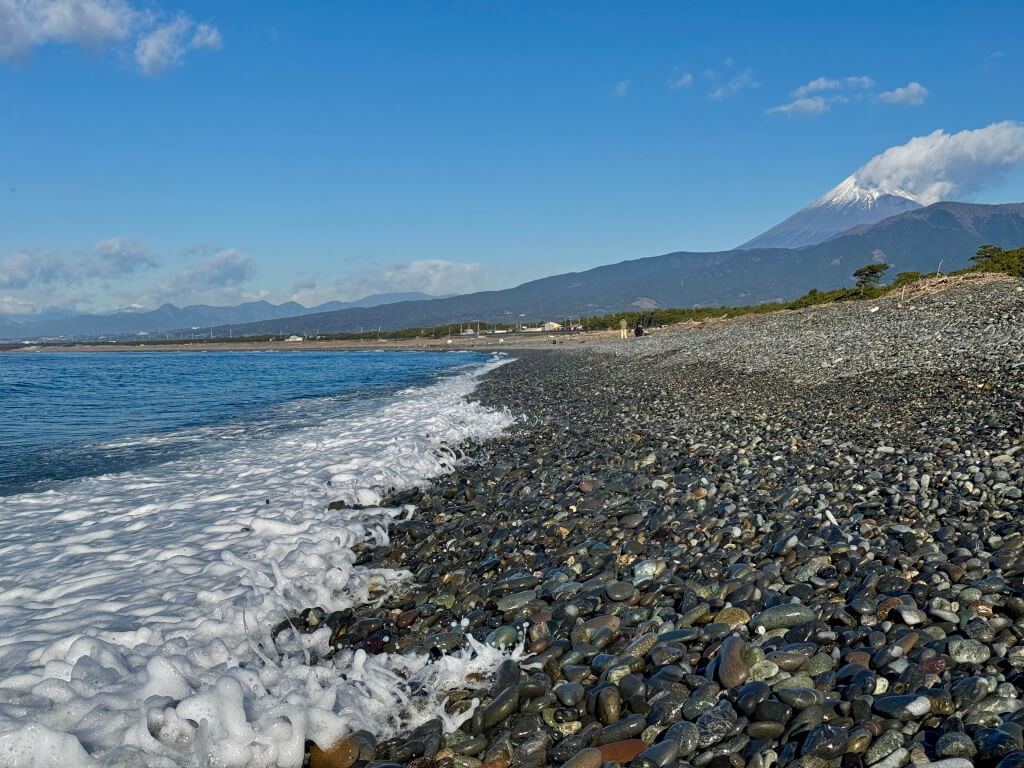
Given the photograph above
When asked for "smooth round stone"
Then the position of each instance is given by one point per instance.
(895, 759)
(639, 647)
(657, 756)
(619, 591)
(859, 740)
(735, 617)
(1014, 760)
(965, 651)
(903, 707)
(645, 569)
(885, 745)
(800, 698)
(342, 754)
(910, 616)
(955, 745)
(587, 758)
(750, 695)
(609, 705)
(782, 617)
(994, 744)
(766, 729)
(622, 751)
(763, 670)
(515, 601)
(686, 735)
(500, 707)
(715, 724)
(826, 741)
(732, 667)
(626, 729)
(773, 711)
(503, 637)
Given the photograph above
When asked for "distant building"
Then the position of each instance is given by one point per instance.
(294, 338)
(549, 326)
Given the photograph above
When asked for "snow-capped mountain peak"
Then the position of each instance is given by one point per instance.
(846, 205)
(850, 192)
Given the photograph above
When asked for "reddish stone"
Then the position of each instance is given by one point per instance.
(623, 751)
(341, 754)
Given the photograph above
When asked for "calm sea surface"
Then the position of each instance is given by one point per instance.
(72, 415)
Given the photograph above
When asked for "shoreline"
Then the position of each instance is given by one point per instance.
(730, 552)
(416, 345)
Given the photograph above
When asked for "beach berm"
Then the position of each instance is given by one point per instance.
(789, 539)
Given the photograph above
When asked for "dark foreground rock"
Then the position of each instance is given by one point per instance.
(793, 540)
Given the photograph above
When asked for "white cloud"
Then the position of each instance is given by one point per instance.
(119, 256)
(744, 79)
(434, 276)
(437, 277)
(216, 278)
(944, 166)
(862, 82)
(685, 80)
(37, 269)
(11, 305)
(167, 45)
(27, 24)
(31, 267)
(809, 105)
(821, 84)
(912, 94)
(207, 36)
(620, 89)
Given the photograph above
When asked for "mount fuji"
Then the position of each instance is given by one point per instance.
(847, 205)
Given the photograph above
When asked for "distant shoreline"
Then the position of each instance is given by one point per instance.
(518, 341)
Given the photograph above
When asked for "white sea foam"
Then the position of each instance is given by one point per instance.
(135, 608)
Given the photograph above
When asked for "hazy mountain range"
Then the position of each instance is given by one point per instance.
(130, 320)
(825, 242)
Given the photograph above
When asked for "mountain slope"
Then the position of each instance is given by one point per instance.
(847, 205)
(914, 241)
(169, 317)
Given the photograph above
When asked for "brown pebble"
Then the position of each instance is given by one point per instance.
(622, 751)
(587, 758)
(732, 665)
(341, 754)
(936, 665)
(882, 612)
(859, 657)
(406, 618)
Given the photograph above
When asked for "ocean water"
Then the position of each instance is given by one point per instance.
(82, 414)
(161, 511)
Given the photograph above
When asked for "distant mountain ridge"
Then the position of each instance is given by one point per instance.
(168, 317)
(917, 240)
(846, 205)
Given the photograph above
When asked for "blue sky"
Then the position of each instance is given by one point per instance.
(219, 152)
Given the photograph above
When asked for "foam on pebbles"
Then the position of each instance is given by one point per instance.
(789, 540)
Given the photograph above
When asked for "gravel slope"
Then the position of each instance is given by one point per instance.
(791, 539)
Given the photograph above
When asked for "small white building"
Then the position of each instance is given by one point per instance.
(549, 326)
(294, 338)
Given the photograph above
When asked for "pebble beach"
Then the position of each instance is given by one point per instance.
(791, 539)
